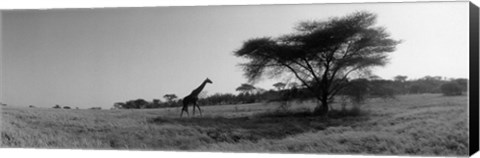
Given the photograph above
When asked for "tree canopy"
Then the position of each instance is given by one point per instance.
(170, 97)
(400, 78)
(322, 55)
(245, 88)
(279, 85)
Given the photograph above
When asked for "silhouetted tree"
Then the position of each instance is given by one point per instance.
(57, 107)
(135, 104)
(170, 97)
(140, 103)
(31, 106)
(66, 107)
(400, 78)
(279, 85)
(321, 54)
(131, 105)
(245, 88)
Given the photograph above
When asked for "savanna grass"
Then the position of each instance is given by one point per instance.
(413, 124)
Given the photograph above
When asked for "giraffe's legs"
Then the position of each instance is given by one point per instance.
(194, 109)
(198, 108)
(184, 108)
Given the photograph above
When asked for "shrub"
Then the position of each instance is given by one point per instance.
(451, 88)
(417, 88)
(357, 91)
(463, 83)
(382, 91)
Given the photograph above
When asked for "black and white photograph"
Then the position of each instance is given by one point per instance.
(335, 79)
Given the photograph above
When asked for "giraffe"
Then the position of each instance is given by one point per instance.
(193, 97)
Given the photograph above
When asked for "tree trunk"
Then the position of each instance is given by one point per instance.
(322, 109)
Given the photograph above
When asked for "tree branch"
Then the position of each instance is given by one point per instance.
(299, 78)
(312, 70)
(337, 88)
(346, 50)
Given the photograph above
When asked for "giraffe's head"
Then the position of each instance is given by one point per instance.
(208, 80)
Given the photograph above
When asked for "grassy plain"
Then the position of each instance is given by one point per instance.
(428, 124)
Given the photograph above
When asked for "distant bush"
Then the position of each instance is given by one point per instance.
(66, 107)
(143, 104)
(416, 89)
(427, 84)
(95, 108)
(57, 107)
(463, 82)
(357, 91)
(451, 89)
(383, 89)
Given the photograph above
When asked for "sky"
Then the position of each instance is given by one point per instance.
(96, 57)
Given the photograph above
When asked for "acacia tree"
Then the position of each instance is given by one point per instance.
(245, 88)
(400, 78)
(279, 85)
(170, 97)
(320, 54)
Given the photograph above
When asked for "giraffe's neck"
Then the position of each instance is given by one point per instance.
(197, 91)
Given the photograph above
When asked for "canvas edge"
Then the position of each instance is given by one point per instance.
(473, 75)
(474, 79)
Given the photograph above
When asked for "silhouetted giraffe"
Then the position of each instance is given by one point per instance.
(193, 97)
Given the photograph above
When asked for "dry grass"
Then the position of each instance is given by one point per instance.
(413, 124)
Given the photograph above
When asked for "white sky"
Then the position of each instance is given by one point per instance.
(95, 57)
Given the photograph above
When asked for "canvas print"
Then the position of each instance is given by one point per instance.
(366, 78)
